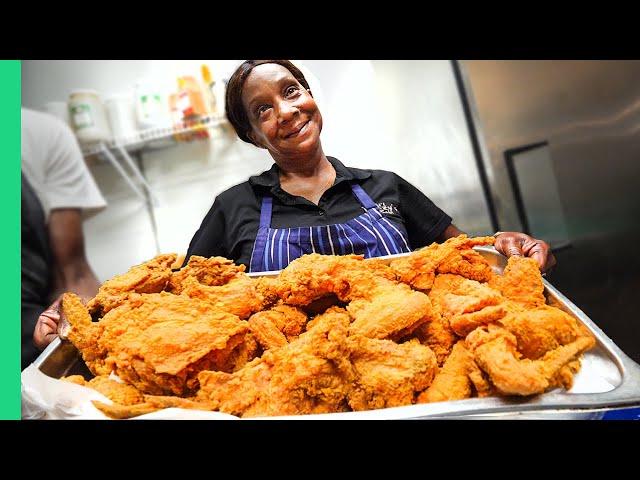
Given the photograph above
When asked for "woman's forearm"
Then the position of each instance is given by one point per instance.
(449, 232)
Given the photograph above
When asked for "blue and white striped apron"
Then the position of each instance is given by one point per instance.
(370, 234)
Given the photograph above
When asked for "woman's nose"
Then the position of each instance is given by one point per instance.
(286, 111)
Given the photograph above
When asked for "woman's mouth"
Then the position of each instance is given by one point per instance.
(299, 131)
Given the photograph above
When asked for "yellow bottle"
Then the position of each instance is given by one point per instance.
(209, 92)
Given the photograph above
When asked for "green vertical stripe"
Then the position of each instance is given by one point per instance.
(10, 238)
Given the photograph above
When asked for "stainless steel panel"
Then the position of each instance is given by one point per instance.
(608, 378)
(588, 111)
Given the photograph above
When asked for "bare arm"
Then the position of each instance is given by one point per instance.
(71, 270)
(449, 232)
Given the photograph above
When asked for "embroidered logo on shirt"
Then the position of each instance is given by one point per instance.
(388, 208)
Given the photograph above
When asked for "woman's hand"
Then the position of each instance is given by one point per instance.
(521, 244)
(47, 325)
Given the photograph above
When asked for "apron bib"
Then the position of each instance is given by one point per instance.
(369, 234)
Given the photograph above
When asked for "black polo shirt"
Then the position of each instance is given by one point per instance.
(229, 229)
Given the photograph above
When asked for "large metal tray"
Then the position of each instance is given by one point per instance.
(608, 379)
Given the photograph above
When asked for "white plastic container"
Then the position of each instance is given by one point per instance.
(88, 117)
(152, 108)
(152, 111)
(122, 118)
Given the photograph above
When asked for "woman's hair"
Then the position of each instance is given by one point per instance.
(235, 108)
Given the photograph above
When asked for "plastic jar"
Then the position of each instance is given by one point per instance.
(88, 117)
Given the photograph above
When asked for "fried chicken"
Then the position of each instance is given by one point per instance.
(117, 392)
(213, 272)
(456, 256)
(542, 329)
(328, 334)
(466, 304)
(239, 296)
(156, 342)
(437, 335)
(148, 277)
(380, 306)
(276, 327)
(149, 404)
(452, 381)
(521, 282)
(388, 374)
(312, 374)
(494, 350)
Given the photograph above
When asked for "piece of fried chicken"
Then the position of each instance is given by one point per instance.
(213, 271)
(542, 329)
(380, 306)
(276, 327)
(521, 282)
(239, 296)
(149, 404)
(456, 379)
(437, 335)
(455, 256)
(117, 392)
(495, 351)
(312, 374)
(466, 304)
(156, 342)
(388, 374)
(148, 277)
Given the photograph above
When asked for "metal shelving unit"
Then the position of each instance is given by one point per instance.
(142, 141)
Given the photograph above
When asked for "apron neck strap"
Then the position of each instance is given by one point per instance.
(265, 211)
(364, 199)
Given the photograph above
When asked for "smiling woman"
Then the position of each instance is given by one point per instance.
(309, 202)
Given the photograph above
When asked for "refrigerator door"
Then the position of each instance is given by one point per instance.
(536, 193)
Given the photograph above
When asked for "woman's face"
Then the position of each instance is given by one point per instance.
(283, 115)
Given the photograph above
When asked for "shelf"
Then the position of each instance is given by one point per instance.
(142, 138)
(141, 141)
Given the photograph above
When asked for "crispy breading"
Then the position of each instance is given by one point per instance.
(213, 271)
(495, 351)
(388, 374)
(239, 296)
(521, 282)
(278, 326)
(452, 381)
(156, 342)
(148, 277)
(456, 256)
(312, 374)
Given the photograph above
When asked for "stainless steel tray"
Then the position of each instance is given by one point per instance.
(608, 379)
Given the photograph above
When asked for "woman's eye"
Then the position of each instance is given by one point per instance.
(262, 109)
(291, 90)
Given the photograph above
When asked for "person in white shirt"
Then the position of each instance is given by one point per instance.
(58, 193)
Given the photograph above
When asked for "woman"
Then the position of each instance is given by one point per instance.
(309, 202)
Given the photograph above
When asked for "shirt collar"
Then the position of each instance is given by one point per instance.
(271, 177)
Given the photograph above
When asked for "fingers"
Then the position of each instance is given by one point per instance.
(513, 244)
(509, 245)
(540, 251)
(47, 325)
(46, 329)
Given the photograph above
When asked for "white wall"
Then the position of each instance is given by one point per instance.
(402, 116)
